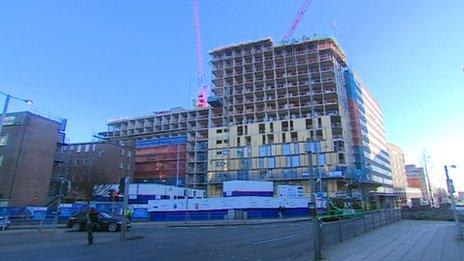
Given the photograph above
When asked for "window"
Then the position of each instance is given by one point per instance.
(122, 152)
(219, 131)
(218, 142)
(289, 161)
(240, 153)
(127, 166)
(309, 124)
(285, 126)
(271, 126)
(87, 147)
(71, 147)
(85, 162)
(271, 162)
(10, 120)
(240, 130)
(77, 162)
(225, 152)
(121, 165)
(3, 140)
(78, 149)
(261, 163)
(93, 147)
(262, 151)
(296, 148)
(295, 161)
(262, 128)
(286, 149)
(100, 153)
(129, 154)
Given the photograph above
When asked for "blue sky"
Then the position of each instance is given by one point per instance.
(90, 61)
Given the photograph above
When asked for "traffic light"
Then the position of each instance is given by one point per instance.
(111, 194)
(122, 185)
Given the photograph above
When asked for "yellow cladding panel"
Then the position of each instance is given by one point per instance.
(223, 143)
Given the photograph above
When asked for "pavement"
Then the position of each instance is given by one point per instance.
(275, 241)
(404, 240)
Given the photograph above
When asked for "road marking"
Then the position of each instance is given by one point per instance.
(274, 240)
(205, 227)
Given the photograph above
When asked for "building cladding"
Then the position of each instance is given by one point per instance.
(174, 123)
(271, 100)
(27, 148)
(416, 178)
(398, 168)
(270, 103)
(161, 160)
(104, 162)
(370, 150)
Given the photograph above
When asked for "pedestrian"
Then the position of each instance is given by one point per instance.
(92, 219)
(281, 210)
(284, 212)
(129, 214)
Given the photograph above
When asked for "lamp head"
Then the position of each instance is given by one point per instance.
(28, 102)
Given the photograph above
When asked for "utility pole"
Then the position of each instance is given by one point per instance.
(177, 167)
(124, 209)
(449, 183)
(186, 204)
(317, 246)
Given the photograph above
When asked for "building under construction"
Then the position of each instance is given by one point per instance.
(271, 105)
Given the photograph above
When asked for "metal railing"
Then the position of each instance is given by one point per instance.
(336, 231)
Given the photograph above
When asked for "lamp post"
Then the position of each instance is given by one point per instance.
(449, 183)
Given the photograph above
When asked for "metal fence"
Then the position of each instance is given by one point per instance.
(332, 232)
(27, 222)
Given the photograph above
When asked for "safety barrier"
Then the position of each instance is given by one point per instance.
(336, 231)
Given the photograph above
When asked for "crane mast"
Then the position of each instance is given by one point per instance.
(296, 21)
(202, 87)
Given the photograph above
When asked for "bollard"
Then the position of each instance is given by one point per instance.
(373, 221)
(339, 230)
(364, 221)
(40, 225)
(354, 227)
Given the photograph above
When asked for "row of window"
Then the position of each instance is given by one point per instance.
(87, 148)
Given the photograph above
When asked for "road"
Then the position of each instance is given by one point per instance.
(284, 241)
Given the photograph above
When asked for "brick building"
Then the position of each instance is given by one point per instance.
(101, 162)
(27, 148)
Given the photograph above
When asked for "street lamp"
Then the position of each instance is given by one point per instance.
(449, 183)
(5, 107)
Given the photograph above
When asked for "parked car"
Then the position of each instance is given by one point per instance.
(4, 223)
(106, 222)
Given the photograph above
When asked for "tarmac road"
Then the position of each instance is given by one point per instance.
(282, 241)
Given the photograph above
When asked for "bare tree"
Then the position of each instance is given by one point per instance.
(89, 184)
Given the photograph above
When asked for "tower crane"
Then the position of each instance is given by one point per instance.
(296, 21)
(202, 87)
